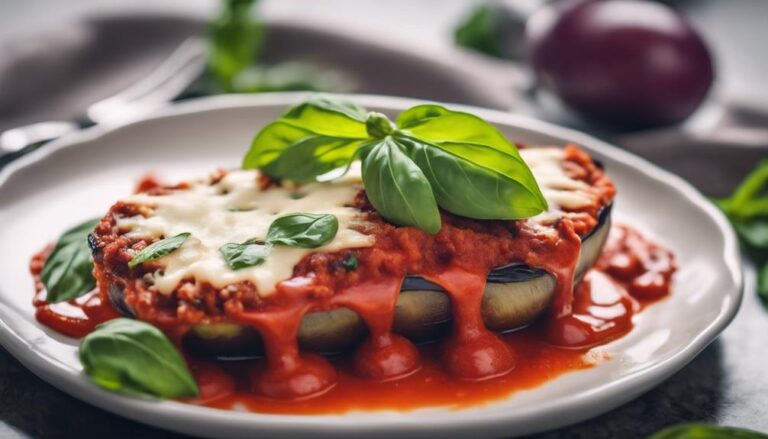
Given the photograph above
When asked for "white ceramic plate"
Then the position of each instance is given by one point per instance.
(79, 178)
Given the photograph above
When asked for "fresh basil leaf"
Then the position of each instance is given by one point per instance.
(303, 230)
(762, 282)
(316, 137)
(397, 188)
(329, 116)
(706, 431)
(430, 157)
(247, 254)
(437, 124)
(310, 157)
(236, 40)
(131, 356)
(464, 185)
(322, 105)
(471, 138)
(158, 249)
(67, 273)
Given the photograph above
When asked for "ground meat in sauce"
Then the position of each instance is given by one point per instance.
(398, 250)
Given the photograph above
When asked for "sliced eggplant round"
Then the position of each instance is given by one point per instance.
(515, 295)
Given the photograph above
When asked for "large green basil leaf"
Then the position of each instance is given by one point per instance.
(329, 116)
(397, 188)
(67, 271)
(303, 230)
(465, 184)
(705, 431)
(445, 128)
(305, 159)
(437, 124)
(310, 139)
(158, 249)
(134, 357)
(248, 254)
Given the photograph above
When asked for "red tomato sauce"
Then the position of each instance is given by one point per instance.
(75, 318)
(471, 366)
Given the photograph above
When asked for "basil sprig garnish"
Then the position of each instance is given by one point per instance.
(158, 249)
(302, 230)
(134, 357)
(432, 157)
(67, 273)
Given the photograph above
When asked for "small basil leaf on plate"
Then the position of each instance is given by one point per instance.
(134, 357)
(67, 273)
(464, 183)
(706, 431)
(158, 249)
(397, 188)
(303, 230)
(247, 254)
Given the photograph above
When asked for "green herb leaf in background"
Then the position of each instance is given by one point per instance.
(432, 157)
(67, 273)
(158, 249)
(235, 40)
(397, 188)
(303, 230)
(747, 209)
(706, 431)
(248, 254)
(480, 31)
(130, 356)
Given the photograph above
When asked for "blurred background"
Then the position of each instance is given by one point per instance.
(679, 82)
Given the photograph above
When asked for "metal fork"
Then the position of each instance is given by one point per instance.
(160, 87)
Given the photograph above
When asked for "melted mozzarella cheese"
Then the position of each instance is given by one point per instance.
(560, 190)
(235, 210)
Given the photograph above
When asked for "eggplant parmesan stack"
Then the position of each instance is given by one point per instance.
(374, 287)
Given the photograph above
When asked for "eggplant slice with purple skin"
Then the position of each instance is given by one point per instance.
(515, 296)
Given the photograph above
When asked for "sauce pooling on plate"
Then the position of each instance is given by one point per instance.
(386, 370)
(602, 309)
